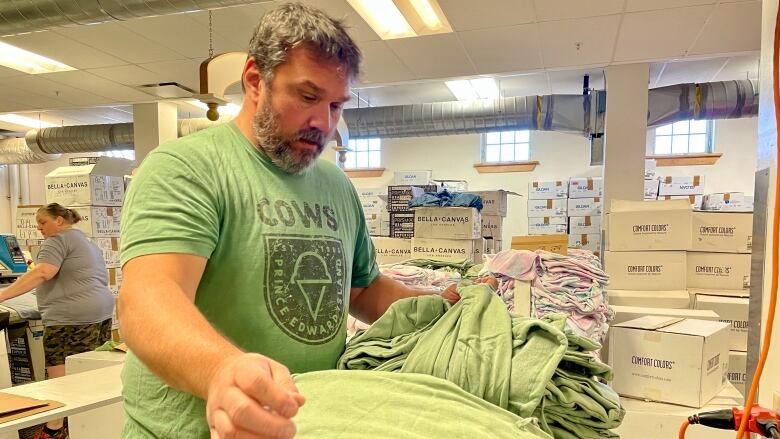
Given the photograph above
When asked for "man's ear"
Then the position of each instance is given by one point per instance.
(252, 81)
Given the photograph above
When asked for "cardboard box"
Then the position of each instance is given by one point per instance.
(448, 250)
(551, 243)
(547, 226)
(402, 224)
(646, 271)
(398, 197)
(412, 177)
(651, 189)
(650, 299)
(672, 360)
(447, 223)
(110, 249)
(494, 202)
(378, 224)
(738, 370)
(114, 278)
(650, 168)
(625, 313)
(727, 202)
(371, 200)
(101, 184)
(99, 220)
(733, 311)
(726, 271)
(452, 185)
(548, 190)
(392, 250)
(590, 242)
(639, 226)
(584, 207)
(492, 226)
(693, 185)
(696, 201)
(27, 224)
(581, 225)
(542, 208)
(586, 187)
(722, 232)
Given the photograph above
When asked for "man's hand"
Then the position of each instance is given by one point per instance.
(251, 396)
(451, 293)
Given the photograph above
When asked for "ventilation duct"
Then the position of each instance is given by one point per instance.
(18, 17)
(713, 100)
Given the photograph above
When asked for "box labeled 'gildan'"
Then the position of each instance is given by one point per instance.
(672, 360)
(727, 202)
(447, 223)
(549, 208)
(658, 270)
(650, 168)
(590, 225)
(99, 220)
(731, 310)
(585, 207)
(548, 190)
(722, 232)
(412, 177)
(693, 185)
(586, 187)
(448, 250)
(392, 250)
(590, 242)
(725, 271)
(641, 226)
(371, 201)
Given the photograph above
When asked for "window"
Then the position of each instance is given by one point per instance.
(506, 146)
(119, 153)
(684, 137)
(364, 154)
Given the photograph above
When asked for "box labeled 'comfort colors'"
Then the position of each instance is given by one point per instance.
(641, 226)
(672, 360)
(724, 271)
(722, 232)
(660, 271)
(731, 310)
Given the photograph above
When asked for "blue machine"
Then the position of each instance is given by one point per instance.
(12, 263)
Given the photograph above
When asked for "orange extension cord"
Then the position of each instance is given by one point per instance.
(749, 401)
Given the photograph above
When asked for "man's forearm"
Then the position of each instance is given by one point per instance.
(171, 336)
(374, 300)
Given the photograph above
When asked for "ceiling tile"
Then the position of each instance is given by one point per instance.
(579, 42)
(5, 72)
(682, 72)
(469, 15)
(357, 28)
(42, 86)
(659, 34)
(177, 32)
(501, 50)
(532, 84)
(739, 67)
(186, 72)
(733, 27)
(419, 93)
(645, 5)
(113, 91)
(131, 75)
(121, 42)
(570, 81)
(547, 10)
(28, 100)
(418, 53)
(380, 64)
(64, 49)
(233, 27)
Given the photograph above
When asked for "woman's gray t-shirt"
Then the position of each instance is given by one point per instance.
(78, 294)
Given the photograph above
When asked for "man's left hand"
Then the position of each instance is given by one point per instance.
(451, 293)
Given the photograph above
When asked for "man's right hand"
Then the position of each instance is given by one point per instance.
(251, 396)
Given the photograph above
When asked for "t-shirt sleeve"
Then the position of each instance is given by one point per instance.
(171, 207)
(364, 267)
(53, 251)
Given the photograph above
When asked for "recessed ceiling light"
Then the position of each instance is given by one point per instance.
(29, 62)
(470, 89)
(392, 19)
(26, 121)
(462, 90)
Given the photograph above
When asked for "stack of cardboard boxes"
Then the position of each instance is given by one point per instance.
(494, 208)
(548, 207)
(374, 206)
(663, 257)
(96, 192)
(584, 210)
(683, 188)
(448, 234)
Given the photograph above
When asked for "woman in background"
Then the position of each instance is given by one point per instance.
(72, 292)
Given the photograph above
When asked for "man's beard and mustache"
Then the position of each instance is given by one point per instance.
(278, 147)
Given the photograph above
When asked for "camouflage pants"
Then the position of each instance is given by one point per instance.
(63, 340)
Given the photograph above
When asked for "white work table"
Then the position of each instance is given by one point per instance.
(80, 393)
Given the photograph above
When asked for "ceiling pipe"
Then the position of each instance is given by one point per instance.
(20, 17)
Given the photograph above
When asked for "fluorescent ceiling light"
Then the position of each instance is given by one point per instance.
(470, 89)
(392, 19)
(28, 62)
(26, 121)
(462, 90)
(230, 109)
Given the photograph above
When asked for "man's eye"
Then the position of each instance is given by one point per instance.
(309, 98)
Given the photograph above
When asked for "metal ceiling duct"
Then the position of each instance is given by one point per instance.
(81, 138)
(16, 151)
(712, 100)
(24, 16)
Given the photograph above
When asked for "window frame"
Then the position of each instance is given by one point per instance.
(709, 133)
(353, 151)
(484, 145)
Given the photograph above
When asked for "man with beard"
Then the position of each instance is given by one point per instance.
(242, 253)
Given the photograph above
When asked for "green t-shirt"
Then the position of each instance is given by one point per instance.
(283, 252)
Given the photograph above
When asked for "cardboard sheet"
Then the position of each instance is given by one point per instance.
(14, 407)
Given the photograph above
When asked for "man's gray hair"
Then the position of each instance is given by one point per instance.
(294, 24)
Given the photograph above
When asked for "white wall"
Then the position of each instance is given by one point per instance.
(5, 202)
